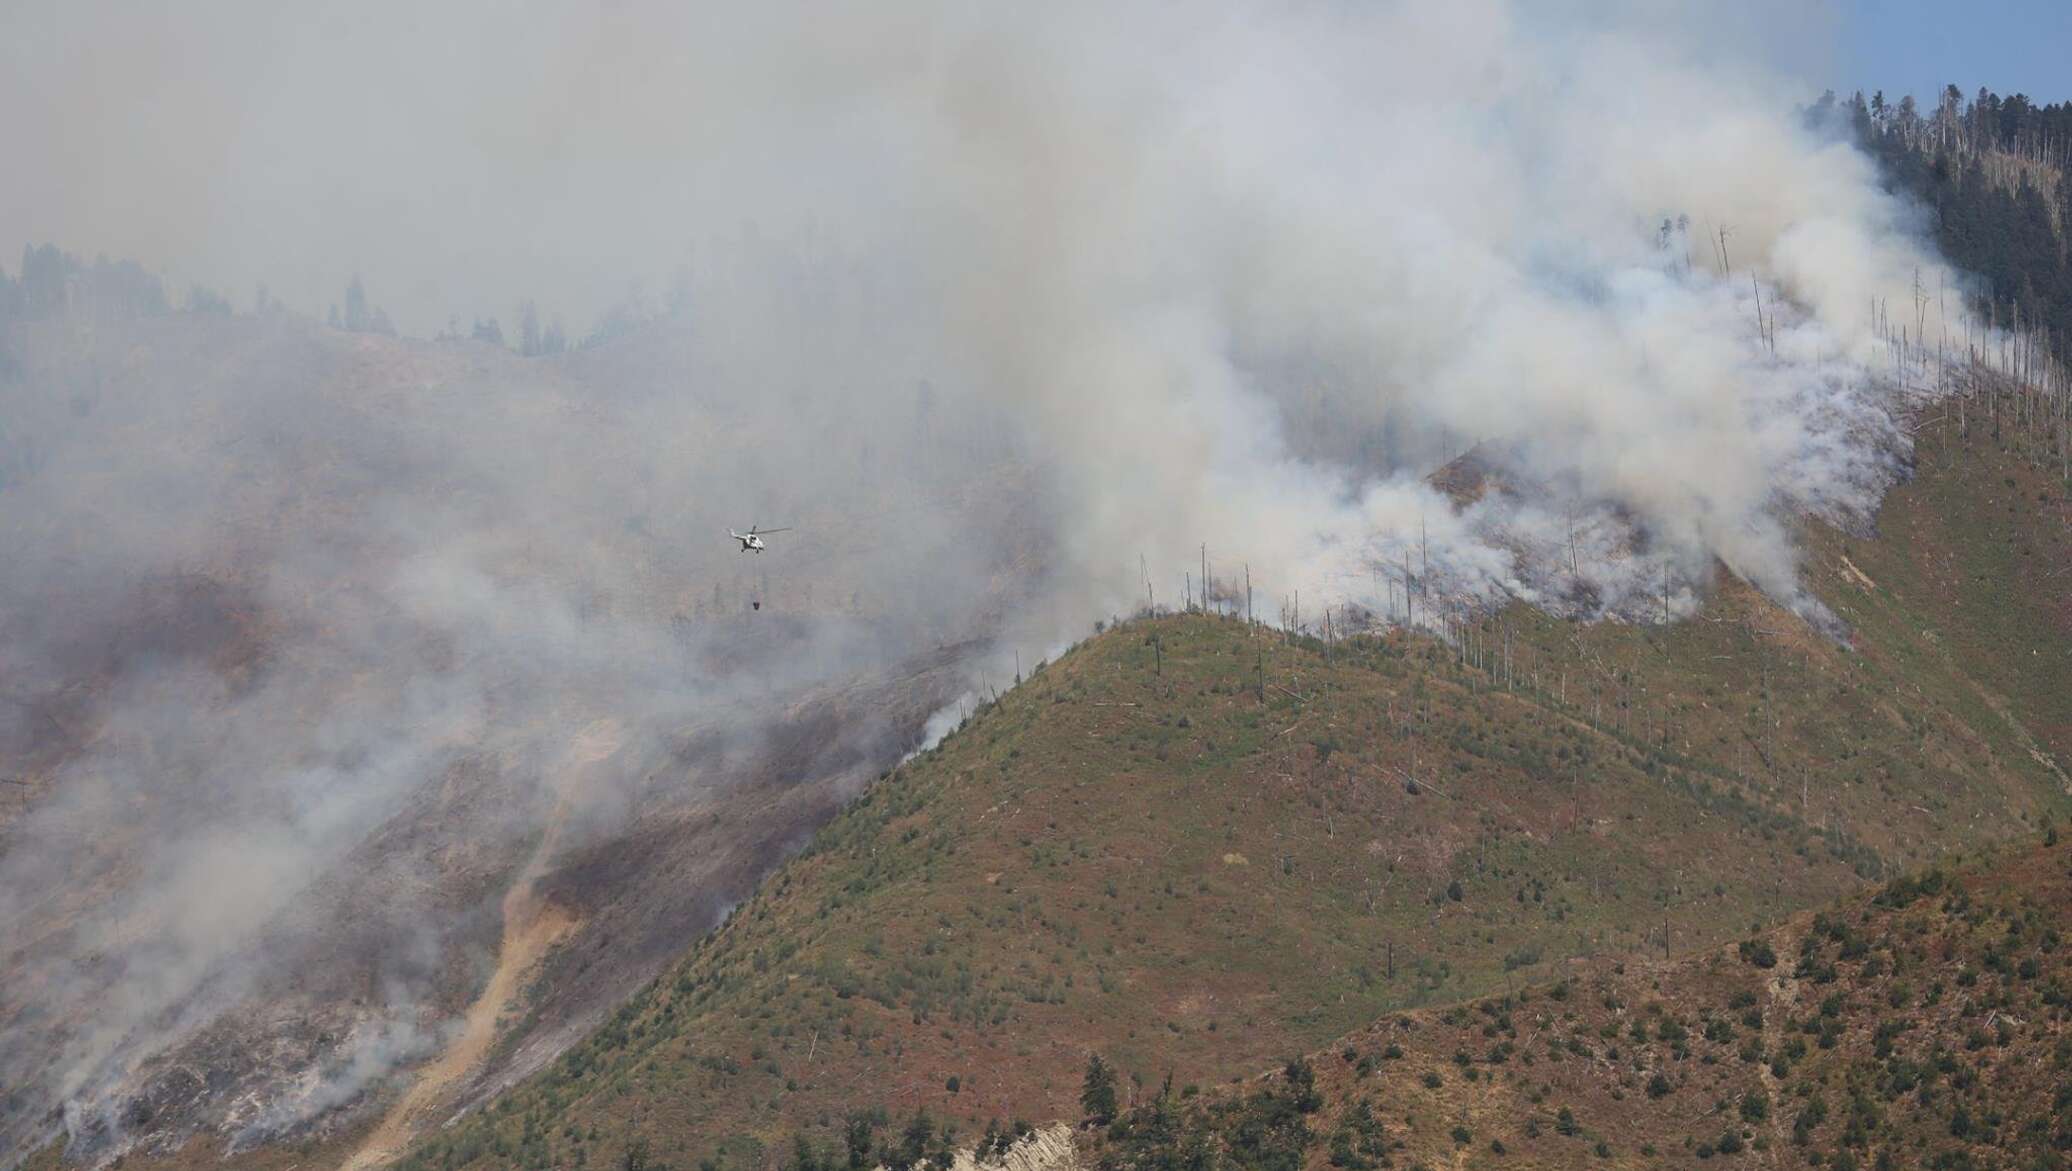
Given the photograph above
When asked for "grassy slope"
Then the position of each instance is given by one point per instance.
(1922, 1027)
(1973, 575)
(1143, 851)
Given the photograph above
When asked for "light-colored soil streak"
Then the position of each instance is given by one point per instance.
(531, 928)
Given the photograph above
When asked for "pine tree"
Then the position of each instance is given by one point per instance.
(529, 343)
(858, 1137)
(1097, 1093)
(356, 318)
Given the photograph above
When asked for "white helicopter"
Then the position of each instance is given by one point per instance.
(752, 540)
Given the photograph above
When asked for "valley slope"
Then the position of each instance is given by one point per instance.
(1920, 1026)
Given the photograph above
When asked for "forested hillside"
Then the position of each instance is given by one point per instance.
(1993, 172)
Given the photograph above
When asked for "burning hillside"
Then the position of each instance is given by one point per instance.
(311, 702)
(333, 663)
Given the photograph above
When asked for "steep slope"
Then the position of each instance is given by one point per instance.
(1922, 1026)
(1195, 845)
(319, 648)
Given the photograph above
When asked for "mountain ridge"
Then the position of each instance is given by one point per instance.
(1208, 758)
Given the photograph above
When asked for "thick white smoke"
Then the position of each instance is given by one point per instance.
(1230, 261)
(1204, 272)
(1001, 305)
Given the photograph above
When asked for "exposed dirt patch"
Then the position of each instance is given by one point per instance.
(531, 928)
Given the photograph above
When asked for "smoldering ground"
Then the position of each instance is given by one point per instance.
(1002, 309)
(314, 640)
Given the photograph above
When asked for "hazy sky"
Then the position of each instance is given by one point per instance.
(469, 155)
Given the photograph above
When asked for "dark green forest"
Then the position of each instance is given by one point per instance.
(1991, 173)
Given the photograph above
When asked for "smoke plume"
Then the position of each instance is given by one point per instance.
(1007, 311)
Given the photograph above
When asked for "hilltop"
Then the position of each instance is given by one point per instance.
(1196, 845)
(1191, 843)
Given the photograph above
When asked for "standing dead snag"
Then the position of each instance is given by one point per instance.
(1575, 567)
(1409, 605)
(1424, 556)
